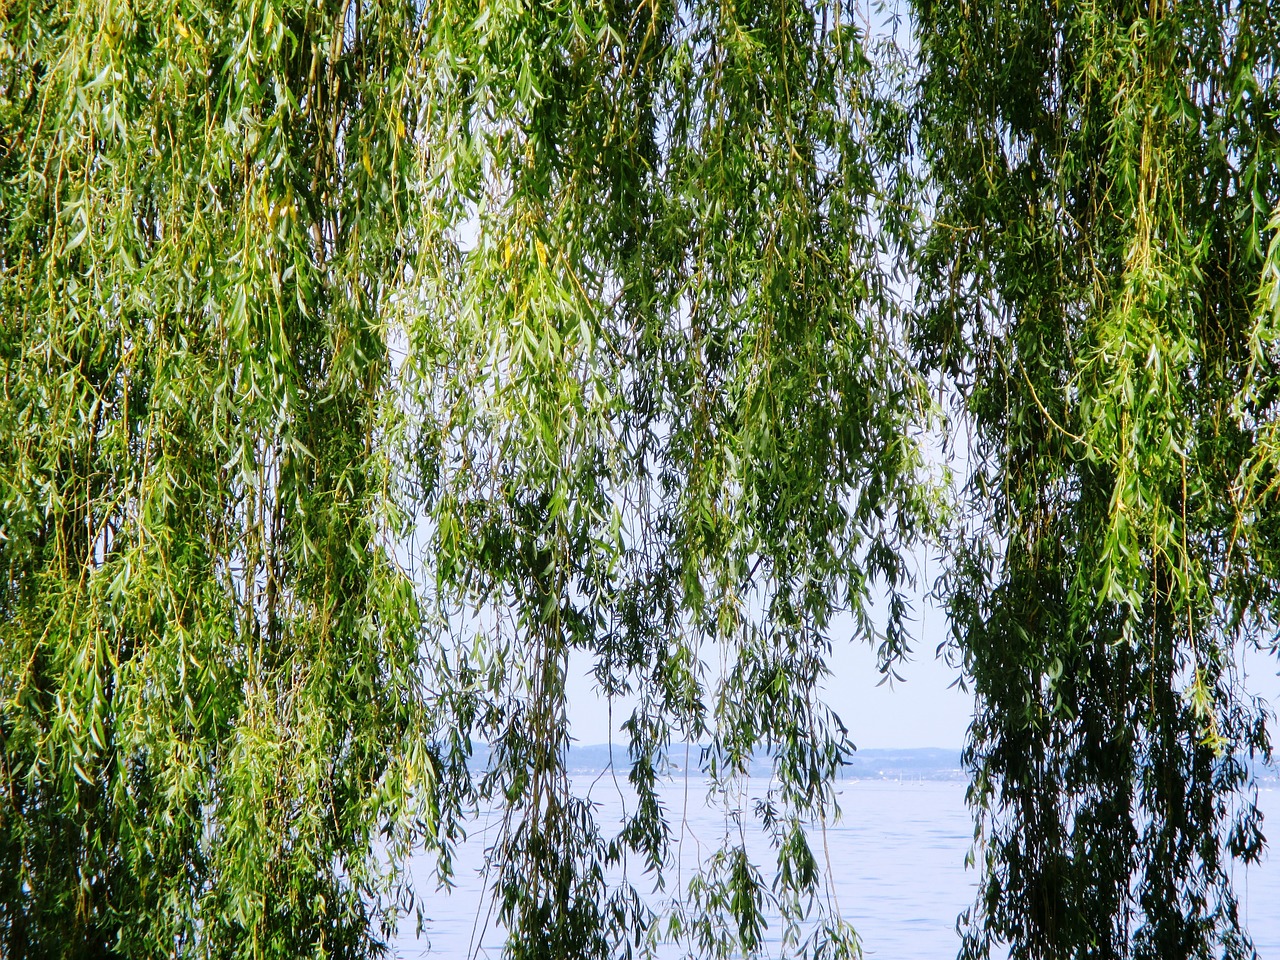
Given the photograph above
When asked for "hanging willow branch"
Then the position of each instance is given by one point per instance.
(666, 424)
(1119, 162)
(212, 730)
(656, 414)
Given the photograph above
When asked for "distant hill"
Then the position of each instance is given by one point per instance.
(918, 763)
(925, 763)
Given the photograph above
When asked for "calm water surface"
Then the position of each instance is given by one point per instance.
(897, 856)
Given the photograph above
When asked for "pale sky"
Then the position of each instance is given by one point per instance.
(920, 712)
(923, 711)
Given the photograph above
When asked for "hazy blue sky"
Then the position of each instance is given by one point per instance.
(923, 711)
(920, 712)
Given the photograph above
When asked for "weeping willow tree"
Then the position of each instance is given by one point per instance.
(656, 413)
(662, 423)
(368, 364)
(1104, 174)
(212, 717)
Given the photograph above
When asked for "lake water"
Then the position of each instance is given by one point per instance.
(897, 856)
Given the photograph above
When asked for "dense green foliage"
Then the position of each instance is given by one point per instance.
(656, 414)
(210, 707)
(663, 422)
(1104, 176)
(367, 363)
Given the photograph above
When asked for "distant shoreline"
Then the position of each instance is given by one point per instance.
(917, 763)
